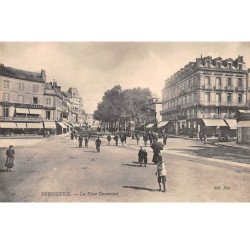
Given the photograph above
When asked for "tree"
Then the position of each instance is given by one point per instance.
(120, 106)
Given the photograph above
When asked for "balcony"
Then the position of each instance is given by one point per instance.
(21, 119)
(218, 88)
(206, 87)
(240, 89)
(229, 88)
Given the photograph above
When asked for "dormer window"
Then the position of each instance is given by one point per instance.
(229, 65)
(218, 64)
(240, 66)
(208, 64)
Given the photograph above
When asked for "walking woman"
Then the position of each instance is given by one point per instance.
(98, 143)
(10, 152)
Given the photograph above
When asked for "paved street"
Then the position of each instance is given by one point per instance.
(56, 169)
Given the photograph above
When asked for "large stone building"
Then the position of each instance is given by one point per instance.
(21, 98)
(30, 105)
(205, 95)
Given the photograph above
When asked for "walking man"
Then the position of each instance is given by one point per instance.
(116, 140)
(161, 173)
(86, 140)
(165, 137)
(10, 153)
(108, 139)
(80, 139)
(137, 139)
(145, 139)
(98, 143)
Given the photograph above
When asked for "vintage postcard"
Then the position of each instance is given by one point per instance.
(124, 122)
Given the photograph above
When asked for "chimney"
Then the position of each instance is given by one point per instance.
(43, 75)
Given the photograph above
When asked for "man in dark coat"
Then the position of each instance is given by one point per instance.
(86, 140)
(109, 139)
(116, 140)
(140, 156)
(80, 139)
(72, 135)
(145, 139)
(98, 143)
(10, 153)
(165, 137)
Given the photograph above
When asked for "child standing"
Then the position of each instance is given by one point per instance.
(161, 173)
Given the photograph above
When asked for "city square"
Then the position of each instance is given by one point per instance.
(120, 133)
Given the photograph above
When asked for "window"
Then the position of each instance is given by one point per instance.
(218, 97)
(35, 100)
(35, 88)
(239, 98)
(194, 97)
(208, 64)
(229, 81)
(48, 101)
(20, 99)
(6, 84)
(218, 110)
(240, 82)
(207, 81)
(240, 66)
(229, 97)
(218, 82)
(48, 114)
(21, 86)
(5, 112)
(6, 97)
(218, 65)
(229, 65)
(207, 94)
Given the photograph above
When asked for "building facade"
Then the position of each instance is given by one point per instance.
(77, 114)
(204, 94)
(21, 98)
(30, 105)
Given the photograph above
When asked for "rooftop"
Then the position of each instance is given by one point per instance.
(23, 74)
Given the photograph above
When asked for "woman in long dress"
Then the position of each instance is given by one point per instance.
(10, 152)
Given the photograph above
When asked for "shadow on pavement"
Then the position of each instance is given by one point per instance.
(3, 170)
(132, 165)
(142, 188)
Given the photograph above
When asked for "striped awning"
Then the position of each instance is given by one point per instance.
(232, 123)
(150, 125)
(8, 125)
(50, 125)
(162, 124)
(22, 111)
(214, 122)
(62, 124)
(34, 125)
(21, 125)
(35, 111)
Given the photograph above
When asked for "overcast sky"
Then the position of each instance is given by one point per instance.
(95, 67)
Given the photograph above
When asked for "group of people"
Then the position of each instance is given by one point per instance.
(121, 136)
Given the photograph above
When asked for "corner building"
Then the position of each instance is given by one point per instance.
(205, 95)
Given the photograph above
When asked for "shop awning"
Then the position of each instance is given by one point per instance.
(21, 125)
(7, 125)
(68, 124)
(243, 124)
(62, 124)
(35, 125)
(150, 125)
(162, 124)
(51, 125)
(232, 123)
(22, 111)
(35, 111)
(214, 122)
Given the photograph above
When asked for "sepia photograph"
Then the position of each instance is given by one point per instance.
(124, 122)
